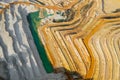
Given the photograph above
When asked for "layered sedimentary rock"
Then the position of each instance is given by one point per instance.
(19, 57)
(60, 39)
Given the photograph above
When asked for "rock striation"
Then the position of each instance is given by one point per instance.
(73, 39)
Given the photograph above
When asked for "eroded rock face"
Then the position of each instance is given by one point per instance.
(19, 57)
(79, 37)
(16, 41)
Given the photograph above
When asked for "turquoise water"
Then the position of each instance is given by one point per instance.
(34, 22)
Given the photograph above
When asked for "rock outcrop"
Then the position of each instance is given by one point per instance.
(80, 38)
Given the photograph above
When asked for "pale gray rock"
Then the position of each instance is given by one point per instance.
(19, 58)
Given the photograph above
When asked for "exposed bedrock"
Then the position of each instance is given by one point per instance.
(74, 39)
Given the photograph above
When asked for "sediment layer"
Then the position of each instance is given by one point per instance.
(79, 36)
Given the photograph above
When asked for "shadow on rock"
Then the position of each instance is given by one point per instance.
(71, 75)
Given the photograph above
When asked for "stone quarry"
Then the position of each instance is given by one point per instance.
(59, 39)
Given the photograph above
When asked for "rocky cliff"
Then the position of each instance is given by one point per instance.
(60, 39)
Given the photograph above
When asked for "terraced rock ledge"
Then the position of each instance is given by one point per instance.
(59, 40)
